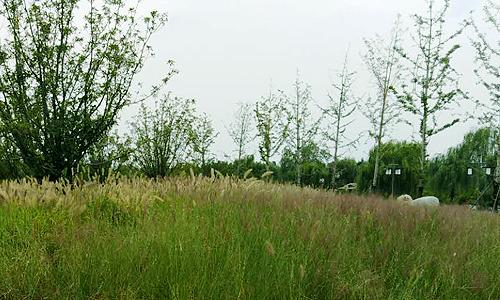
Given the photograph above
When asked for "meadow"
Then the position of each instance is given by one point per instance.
(223, 238)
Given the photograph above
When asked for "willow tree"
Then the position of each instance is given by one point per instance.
(488, 71)
(432, 86)
(67, 68)
(383, 62)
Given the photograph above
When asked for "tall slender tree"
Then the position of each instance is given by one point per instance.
(433, 83)
(383, 61)
(488, 72)
(240, 130)
(272, 125)
(303, 128)
(338, 114)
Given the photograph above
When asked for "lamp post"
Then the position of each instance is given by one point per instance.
(489, 172)
(393, 170)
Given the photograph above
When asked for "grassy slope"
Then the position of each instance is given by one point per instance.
(227, 239)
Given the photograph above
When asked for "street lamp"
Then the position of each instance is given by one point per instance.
(488, 171)
(393, 170)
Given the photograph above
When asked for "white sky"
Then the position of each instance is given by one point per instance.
(228, 51)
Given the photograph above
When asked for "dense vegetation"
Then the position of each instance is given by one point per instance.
(152, 213)
(447, 176)
(222, 238)
(61, 96)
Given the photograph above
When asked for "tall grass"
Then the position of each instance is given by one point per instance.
(228, 239)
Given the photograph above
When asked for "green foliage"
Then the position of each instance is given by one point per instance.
(236, 168)
(11, 163)
(338, 115)
(448, 177)
(402, 154)
(241, 129)
(383, 61)
(302, 129)
(66, 71)
(108, 211)
(487, 69)
(110, 155)
(272, 125)
(347, 171)
(316, 169)
(312, 164)
(202, 137)
(432, 84)
(163, 136)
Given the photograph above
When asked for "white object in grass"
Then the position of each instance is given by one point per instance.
(422, 201)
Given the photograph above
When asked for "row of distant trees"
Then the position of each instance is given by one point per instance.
(65, 79)
(419, 83)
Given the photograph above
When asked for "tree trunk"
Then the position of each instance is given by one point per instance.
(334, 174)
(299, 142)
(376, 170)
(423, 132)
(335, 154)
(379, 143)
(337, 132)
(299, 166)
(496, 182)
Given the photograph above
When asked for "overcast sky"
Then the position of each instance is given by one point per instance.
(229, 51)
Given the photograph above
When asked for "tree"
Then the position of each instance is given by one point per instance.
(66, 72)
(488, 72)
(11, 163)
(302, 131)
(347, 170)
(240, 130)
(111, 153)
(433, 86)
(338, 113)
(402, 154)
(203, 136)
(314, 170)
(162, 136)
(448, 178)
(272, 125)
(382, 60)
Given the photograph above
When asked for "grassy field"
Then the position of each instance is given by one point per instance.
(228, 239)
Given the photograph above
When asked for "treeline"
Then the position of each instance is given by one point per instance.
(447, 176)
(65, 79)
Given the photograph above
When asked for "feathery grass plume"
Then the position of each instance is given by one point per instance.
(193, 177)
(267, 174)
(219, 174)
(4, 196)
(247, 173)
